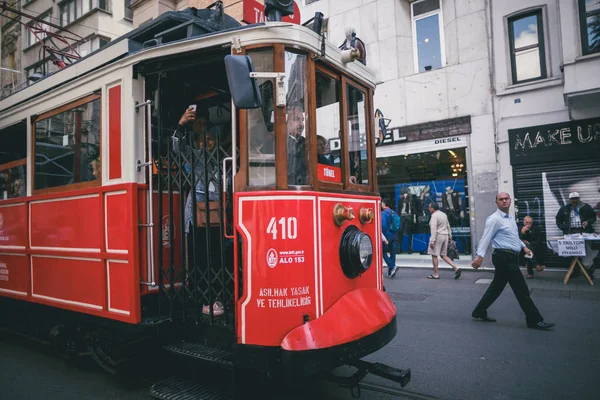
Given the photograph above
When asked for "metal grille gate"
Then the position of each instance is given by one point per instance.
(197, 270)
(540, 189)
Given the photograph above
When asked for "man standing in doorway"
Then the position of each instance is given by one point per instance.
(501, 230)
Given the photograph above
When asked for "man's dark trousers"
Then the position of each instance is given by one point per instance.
(507, 271)
(407, 222)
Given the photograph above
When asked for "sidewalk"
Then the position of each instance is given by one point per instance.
(547, 283)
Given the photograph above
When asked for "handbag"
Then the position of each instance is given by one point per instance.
(452, 250)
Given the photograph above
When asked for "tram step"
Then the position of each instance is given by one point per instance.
(200, 352)
(180, 388)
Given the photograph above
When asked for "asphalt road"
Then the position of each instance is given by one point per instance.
(451, 356)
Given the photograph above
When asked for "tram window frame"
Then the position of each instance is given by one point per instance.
(243, 183)
(308, 111)
(69, 186)
(14, 166)
(370, 142)
(335, 186)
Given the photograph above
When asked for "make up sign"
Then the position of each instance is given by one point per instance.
(571, 248)
(570, 140)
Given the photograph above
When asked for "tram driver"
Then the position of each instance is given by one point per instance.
(296, 145)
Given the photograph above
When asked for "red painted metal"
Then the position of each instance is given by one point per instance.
(355, 315)
(68, 222)
(60, 251)
(114, 132)
(254, 13)
(13, 225)
(289, 280)
(329, 173)
(14, 275)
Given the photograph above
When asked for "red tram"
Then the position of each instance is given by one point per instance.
(247, 236)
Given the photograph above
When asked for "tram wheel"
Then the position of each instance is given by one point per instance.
(104, 361)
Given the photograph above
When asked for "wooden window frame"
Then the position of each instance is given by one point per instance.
(73, 186)
(585, 45)
(541, 45)
(332, 186)
(370, 140)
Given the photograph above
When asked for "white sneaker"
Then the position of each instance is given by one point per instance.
(218, 309)
(393, 272)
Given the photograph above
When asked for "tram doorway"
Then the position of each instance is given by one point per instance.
(192, 153)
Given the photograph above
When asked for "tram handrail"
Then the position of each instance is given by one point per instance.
(147, 104)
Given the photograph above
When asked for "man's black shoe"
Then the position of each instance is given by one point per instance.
(542, 326)
(484, 318)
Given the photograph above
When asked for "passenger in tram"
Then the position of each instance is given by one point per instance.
(202, 150)
(95, 165)
(18, 188)
(296, 145)
(322, 151)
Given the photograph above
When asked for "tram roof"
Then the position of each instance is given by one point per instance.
(197, 26)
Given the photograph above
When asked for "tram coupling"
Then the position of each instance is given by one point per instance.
(401, 376)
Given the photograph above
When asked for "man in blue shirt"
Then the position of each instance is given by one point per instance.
(501, 230)
(389, 238)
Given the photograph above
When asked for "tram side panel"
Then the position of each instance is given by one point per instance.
(14, 265)
(80, 247)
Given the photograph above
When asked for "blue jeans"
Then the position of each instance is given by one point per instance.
(391, 247)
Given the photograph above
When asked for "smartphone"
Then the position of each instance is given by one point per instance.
(192, 106)
(530, 255)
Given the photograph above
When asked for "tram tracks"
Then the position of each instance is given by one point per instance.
(394, 391)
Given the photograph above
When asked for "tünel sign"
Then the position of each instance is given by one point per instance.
(569, 248)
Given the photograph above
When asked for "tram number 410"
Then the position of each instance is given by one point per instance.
(288, 227)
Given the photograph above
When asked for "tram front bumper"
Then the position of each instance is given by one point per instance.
(359, 323)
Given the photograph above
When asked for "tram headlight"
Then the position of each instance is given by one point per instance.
(356, 252)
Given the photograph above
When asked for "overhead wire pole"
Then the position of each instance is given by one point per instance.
(37, 29)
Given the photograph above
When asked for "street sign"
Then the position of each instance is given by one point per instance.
(254, 13)
(569, 248)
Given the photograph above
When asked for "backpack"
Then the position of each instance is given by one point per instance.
(394, 222)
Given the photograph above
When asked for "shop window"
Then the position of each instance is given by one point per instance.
(356, 128)
(260, 125)
(428, 35)
(67, 145)
(412, 182)
(13, 161)
(296, 145)
(527, 52)
(589, 21)
(329, 154)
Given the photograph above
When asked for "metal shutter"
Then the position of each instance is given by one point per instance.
(540, 190)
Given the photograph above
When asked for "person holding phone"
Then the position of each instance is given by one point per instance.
(198, 143)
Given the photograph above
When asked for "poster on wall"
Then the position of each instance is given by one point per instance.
(415, 197)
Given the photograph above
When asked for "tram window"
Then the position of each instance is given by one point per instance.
(261, 125)
(67, 146)
(357, 135)
(329, 154)
(295, 82)
(13, 161)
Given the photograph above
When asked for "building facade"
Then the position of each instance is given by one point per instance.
(87, 25)
(547, 104)
(432, 58)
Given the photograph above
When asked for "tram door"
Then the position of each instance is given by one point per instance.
(192, 185)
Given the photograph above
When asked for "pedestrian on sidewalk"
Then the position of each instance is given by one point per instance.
(441, 234)
(501, 230)
(389, 237)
